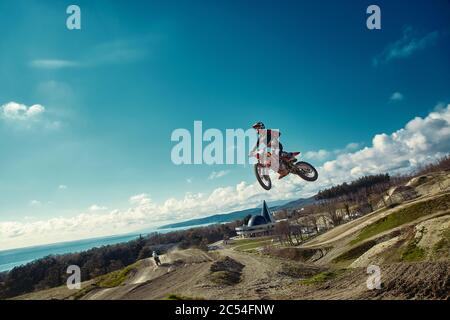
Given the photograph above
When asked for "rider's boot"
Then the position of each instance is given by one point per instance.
(283, 173)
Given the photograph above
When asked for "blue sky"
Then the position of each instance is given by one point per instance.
(113, 92)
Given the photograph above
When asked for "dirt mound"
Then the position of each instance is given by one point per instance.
(417, 181)
(419, 280)
(297, 270)
(434, 233)
(400, 194)
(227, 264)
(377, 253)
(424, 280)
(424, 241)
(432, 183)
(174, 264)
(226, 271)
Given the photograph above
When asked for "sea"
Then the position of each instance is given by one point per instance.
(17, 257)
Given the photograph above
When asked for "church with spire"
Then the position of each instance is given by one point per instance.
(258, 225)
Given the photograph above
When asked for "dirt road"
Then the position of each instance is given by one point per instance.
(191, 279)
(186, 273)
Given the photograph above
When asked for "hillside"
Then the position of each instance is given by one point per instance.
(299, 203)
(409, 241)
(217, 218)
(237, 215)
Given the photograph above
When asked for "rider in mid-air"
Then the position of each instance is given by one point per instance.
(271, 139)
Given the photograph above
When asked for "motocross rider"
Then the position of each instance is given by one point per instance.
(270, 138)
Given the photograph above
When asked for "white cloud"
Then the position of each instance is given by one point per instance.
(317, 155)
(351, 146)
(421, 140)
(189, 180)
(113, 52)
(96, 207)
(142, 199)
(35, 203)
(53, 64)
(218, 174)
(323, 154)
(26, 117)
(396, 96)
(62, 187)
(17, 111)
(118, 51)
(411, 42)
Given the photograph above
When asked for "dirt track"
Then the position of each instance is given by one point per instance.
(153, 282)
(423, 280)
(338, 240)
(345, 230)
(259, 279)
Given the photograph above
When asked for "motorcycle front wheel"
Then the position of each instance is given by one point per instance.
(263, 179)
(306, 171)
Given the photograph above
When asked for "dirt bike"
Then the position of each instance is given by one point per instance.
(303, 169)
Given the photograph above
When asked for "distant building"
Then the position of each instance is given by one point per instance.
(259, 225)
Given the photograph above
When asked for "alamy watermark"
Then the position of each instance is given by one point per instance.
(373, 22)
(73, 21)
(374, 280)
(74, 280)
(234, 146)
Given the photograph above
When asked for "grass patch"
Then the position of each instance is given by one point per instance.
(404, 215)
(116, 278)
(82, 292)
(355, 252)
(321, 277)
(241, 242)
(443, 245)
(296, 254)
(413, 253)
(252, 245)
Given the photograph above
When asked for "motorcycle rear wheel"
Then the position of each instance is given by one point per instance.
(306, 171)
